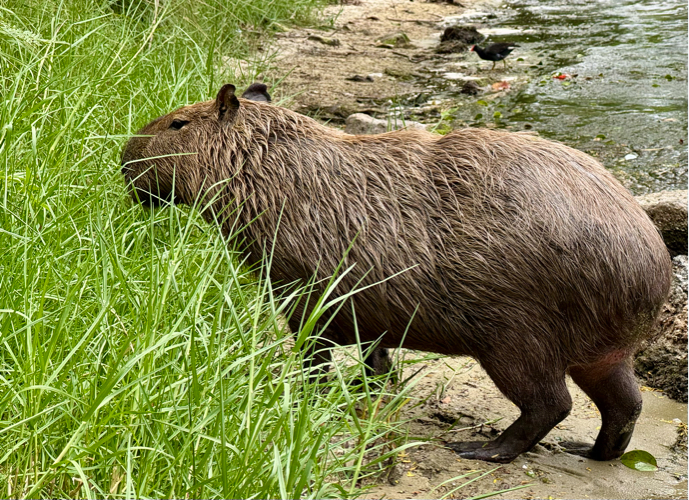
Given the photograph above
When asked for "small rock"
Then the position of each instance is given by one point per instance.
(333, 42)
(471, 88)
(395, 473)
(451, 47)
(359, 78)
(458, 39)
(362, 124)
(398, 73)
(466, 34)
(668, 211)
(397, 39)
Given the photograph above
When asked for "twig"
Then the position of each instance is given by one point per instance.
(401, 55)
(419, 21)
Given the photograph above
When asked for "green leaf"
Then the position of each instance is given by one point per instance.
(497, 115)
(482, 102)
(478, 116)
(639, 460)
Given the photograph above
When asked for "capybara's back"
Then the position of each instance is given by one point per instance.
(523, 253)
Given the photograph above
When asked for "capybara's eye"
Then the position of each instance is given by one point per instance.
(178, 124)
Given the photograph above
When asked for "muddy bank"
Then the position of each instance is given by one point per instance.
(374, 66)
(662, 361)
(455, 394)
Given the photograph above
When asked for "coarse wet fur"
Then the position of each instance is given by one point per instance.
(523, 253)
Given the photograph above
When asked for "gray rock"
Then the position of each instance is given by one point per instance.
(668, 211)
(333, 42)
(662, 361)
(397, 39)
(362, 124)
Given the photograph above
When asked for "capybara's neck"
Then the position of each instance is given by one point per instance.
(276, 159)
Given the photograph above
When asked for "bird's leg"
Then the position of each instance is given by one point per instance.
(493, 66)
(504, 61)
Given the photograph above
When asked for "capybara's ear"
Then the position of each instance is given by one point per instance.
(257, 92)
(227, 103)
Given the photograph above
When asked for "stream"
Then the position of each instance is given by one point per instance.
(623, 98)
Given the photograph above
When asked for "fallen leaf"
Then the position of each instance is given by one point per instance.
(501, 86)
(639, 460)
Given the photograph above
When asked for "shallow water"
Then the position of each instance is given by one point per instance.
(627, 103)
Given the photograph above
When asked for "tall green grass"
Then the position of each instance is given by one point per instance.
(138, 358)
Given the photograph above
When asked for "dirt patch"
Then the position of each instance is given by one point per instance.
(378, 57)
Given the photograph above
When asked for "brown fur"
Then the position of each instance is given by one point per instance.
(521, 252)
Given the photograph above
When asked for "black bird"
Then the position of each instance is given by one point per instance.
(494, 52)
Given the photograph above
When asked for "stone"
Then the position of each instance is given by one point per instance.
(363, 124)
(662, 361)
(333, 42)
(466, 34)
(668, 211)
(471, 88)
(397, 39)
(400, 74)
(359, 78)
(458, 39)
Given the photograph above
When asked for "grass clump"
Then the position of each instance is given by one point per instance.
(138, 358)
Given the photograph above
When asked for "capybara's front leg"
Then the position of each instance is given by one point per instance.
(610, 383)
(317, 358)
(378, 362)
(544, 402)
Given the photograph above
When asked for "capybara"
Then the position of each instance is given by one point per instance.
(520, 252)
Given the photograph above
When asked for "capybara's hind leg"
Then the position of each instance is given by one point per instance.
(611, 385)
(544, 402)
(377, 362)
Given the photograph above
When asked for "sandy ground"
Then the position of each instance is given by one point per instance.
(456, 393)
(317, 73)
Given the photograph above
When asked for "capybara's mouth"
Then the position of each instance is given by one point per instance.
(149, 199)
(143, 194)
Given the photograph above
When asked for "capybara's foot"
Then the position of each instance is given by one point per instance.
(593, 452)
(614, 390)
(488, 451)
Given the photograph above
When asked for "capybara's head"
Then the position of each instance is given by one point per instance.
(167, 160)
